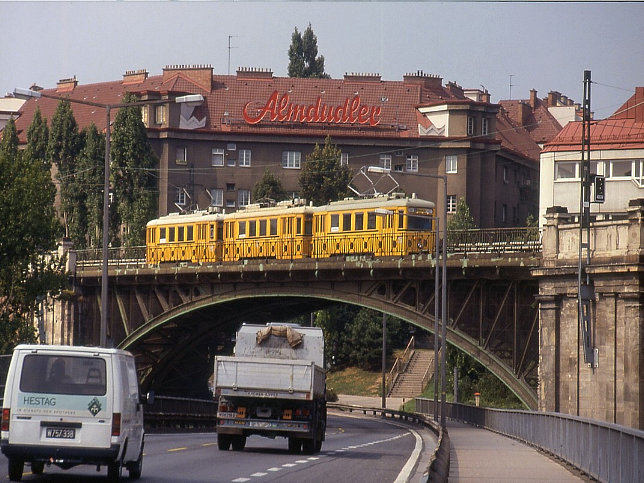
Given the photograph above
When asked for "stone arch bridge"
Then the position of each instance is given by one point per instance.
(176, 318)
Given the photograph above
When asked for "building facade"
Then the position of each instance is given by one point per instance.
(617, 152)
(214, 152)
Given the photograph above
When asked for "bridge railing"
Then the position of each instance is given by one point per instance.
(489, 240)
(606, 452)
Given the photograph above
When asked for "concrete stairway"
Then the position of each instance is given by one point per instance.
(409, 383)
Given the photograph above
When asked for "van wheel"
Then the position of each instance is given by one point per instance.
(37, 467)
(223, 441)
(114, 470)
(16, 467)
(134, 468)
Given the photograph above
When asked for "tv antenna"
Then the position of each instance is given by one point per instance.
(511, 84)
(230, 37)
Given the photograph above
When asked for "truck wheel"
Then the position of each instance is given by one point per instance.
(16, 467)
(308, 446)
(37, 467)
(239, 443)
(294, 445)
(318, 445)
(223, 441)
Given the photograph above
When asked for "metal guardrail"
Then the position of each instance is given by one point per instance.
(604, 451)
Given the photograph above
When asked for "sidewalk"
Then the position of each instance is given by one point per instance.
(393, 403)
(477, 454)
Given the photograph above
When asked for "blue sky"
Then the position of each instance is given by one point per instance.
(545, 46)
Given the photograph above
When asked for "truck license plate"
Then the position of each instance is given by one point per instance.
(61, 433)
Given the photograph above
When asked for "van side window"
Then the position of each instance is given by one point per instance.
(53, 374)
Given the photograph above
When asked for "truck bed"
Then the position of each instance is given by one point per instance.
(269, 378)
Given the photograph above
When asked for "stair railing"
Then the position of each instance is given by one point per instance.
(400, 365)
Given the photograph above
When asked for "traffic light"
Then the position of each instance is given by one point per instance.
(600, 189)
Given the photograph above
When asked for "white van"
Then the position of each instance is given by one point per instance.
(68, 406)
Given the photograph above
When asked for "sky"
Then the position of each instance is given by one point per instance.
(507, 47)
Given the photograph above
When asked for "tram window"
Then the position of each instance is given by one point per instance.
(241, 228)
(359, 221)
(273, 226)
(212, 232)
(151, 235)
(401, 219)
(320, 224)
(220, 231)
(162, 235)
(423, 223)
(346, 221)
(252, 228)
(171, 234)
(371, 220)
(308, 226)
(335, 222)
(298, 226)
(180, 233)
(190, 234)
(262, 227)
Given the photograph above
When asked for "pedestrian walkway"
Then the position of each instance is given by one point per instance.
(477, 454)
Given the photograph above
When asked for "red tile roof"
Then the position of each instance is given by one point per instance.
(623, 130)
(537, 121)
(515, 138)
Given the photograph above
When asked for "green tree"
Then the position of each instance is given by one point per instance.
(28, 232)
(9, 140)
(133, 169)
(462, 219)
(91, 175)
(269, 187)
(323, 178)
(303, 55)
(38, 138)
(62, 150)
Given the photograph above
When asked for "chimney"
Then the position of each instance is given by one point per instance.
(533, 98)
(199, 74)
(455, 90)
(66, 85)
(523, 110)
(425, 80)
(485, 97)
(361, 77)
(135, 76)
(254, 73)
(553, 98)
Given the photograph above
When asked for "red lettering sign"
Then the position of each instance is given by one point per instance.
(280, 108)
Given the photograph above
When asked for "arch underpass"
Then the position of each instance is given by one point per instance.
(174, 319)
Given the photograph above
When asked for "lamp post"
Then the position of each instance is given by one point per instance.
(28, 93)
(443, 338)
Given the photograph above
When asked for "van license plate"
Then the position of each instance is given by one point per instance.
(61, 433)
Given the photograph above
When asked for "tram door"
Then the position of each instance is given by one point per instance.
(288, 237)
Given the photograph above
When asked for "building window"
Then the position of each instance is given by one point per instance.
(621, 169)
(217, 157)
(217, 195)
(291, 159)
(344, 159)
(181, 197)
(385, 161)
(145, 116)
(566, 170)
(398, 168)
(243, 197)
(451, 164)
(244, 158)
(638, 172)
(231, 162)
(412, 163)
(505, 174)
(230, 203)
(504, 213)
(451, 203)
(231, 147)
(470, 126)
(182, 155)
(485, 126)
(230, 186)
(159, 114)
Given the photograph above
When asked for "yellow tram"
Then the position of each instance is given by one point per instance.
(381, 226)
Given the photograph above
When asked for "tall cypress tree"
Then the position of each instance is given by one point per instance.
(62, 150)
(90, 180)
(323, 179)
(38, 138)
(303, 55)
(134, 166)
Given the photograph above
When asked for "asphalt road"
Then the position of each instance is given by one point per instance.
(356, 448)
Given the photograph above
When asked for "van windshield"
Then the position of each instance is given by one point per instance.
(56, 374)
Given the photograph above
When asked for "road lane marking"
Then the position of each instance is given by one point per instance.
(259, 474)
(177, 449)
(240, 480)
(208, 444)
(274, 468)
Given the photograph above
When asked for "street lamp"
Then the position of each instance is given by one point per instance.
(443, 338)
(28, 93)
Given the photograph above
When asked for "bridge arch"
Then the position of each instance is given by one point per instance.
(168, 336)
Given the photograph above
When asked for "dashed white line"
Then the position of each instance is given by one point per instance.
(258, 474)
